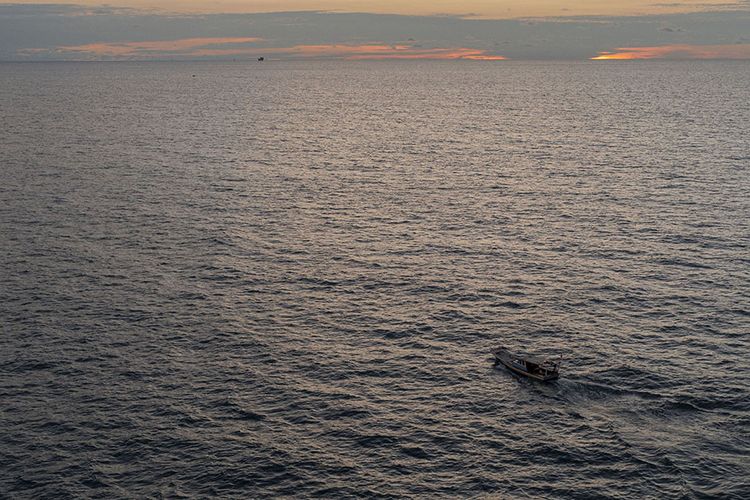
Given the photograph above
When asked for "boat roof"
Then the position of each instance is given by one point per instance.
(530, 358)
(535, 359)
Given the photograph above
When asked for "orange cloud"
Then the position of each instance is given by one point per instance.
(340, 50)
(357, 52)
(216, 47)
(455, 53)
(683, 51)
(157, 47)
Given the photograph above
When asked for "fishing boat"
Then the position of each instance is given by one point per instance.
(529, 366)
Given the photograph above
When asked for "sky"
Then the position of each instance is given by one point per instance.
(491, 9)
(486, 30)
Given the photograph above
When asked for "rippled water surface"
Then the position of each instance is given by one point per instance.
(285, 279)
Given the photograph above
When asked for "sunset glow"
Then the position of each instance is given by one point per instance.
(457, 53)
(217, 47)
(487, 9)
(683, 51)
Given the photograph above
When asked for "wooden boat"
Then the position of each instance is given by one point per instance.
(529, 366)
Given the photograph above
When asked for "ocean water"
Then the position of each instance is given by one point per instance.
(285, 279)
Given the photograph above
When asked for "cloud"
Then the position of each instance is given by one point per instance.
(159, 48)
(449, 53)
(19, 10)
(237, 46)
(340, 51)
(678, 51)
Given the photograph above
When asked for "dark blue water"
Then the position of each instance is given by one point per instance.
(285, 279)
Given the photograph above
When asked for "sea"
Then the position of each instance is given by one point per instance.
(286, 279)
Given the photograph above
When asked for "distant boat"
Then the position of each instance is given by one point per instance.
(529, 366)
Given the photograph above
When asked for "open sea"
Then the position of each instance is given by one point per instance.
(285, 279)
